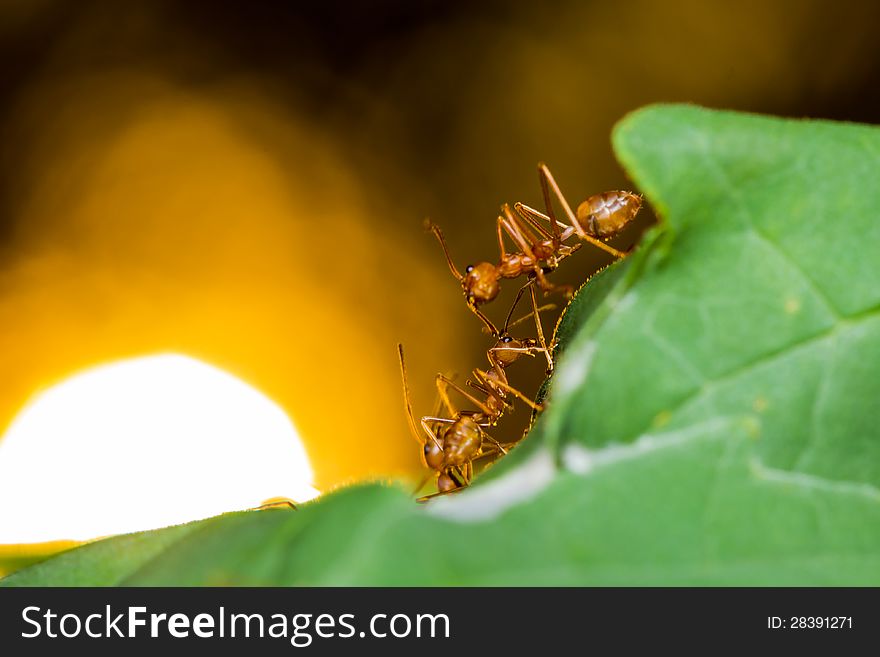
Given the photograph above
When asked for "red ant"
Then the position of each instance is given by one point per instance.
(507, 349)
(537, 256)
(451, 451)
(541, 250)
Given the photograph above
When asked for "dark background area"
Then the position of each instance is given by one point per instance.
(404, 84)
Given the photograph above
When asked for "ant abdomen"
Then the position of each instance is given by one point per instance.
(605, 214)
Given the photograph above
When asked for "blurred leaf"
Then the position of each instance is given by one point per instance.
(711, 419)
(16, 557)
(102, 563)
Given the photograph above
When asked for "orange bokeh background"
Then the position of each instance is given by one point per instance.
(246, 185)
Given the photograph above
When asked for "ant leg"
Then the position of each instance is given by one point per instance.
(512, 229)
(540, 309)
(516, 232)
(493, 352)
(523, 214)
(516, 393)
(491, 451)
(275, 504)
(535, 217)
(493, 330)
(547, 180)
(496, 361)
(502, 251)
(540, 328)
(484, 382)
(543, 171)
(547, 287)
(439, 420)
(427, 498)
(499, 448)
(432, 435)
(543, 175)
(456, 475)
(443, 383)
(438, 404)
(526, 237)
(422, 483)
(497, 445)
(476, 386)
(510, 324)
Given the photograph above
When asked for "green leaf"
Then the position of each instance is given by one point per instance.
(711, 420)
(102, 563)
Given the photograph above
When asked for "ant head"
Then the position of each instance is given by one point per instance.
(508, 350)
(632, 203)
(480, 282)
(504, 340)
(434, 457)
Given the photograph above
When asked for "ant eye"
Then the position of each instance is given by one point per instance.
(468, 269)
(506, 339)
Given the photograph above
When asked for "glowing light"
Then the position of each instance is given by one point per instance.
(140, 444)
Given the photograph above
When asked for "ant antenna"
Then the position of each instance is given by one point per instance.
(513, 307)
(406, 396)
(520, 320)
(434, 228)
(525, 318)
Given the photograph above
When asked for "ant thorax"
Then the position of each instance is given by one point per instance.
(462, 441)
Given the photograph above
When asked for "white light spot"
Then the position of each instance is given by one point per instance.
(573, 370)
(626, 302)
(140, 444)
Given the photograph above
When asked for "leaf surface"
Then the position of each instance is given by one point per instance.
(711, 420)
